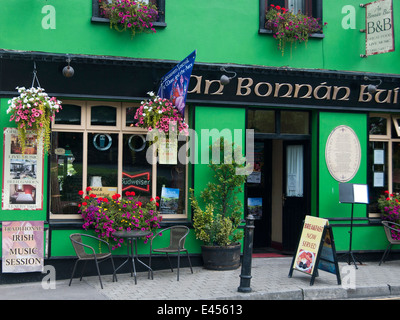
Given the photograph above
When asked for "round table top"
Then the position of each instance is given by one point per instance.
(131, 234)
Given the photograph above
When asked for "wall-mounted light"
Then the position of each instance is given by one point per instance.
(68, 71)
(225, 79)
(372, 88)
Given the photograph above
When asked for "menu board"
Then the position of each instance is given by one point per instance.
(343, 153)
(316, 249)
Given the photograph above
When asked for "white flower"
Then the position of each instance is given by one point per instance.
(150, 93)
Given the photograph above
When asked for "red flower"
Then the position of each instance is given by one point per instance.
(278, 8)
(92, 195)
(105, 200)
(157, 204)
(84, 203)
(87, 198)
(88, 189)
(151, 199)
(157, 198)
(80, 192)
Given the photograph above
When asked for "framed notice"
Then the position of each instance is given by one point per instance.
(316, 249)
(379, 27)
(22, 246)
(169, 201)
(22, 173)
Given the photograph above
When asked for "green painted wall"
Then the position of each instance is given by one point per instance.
(223, 31)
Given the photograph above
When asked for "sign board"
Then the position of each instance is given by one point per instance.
(22, 246)
(169, 200)
(22, 173)
(316, 249)
(343, 153)
(353, 193)
(379, 27)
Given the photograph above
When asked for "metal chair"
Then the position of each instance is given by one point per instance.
(389, 226)
(79, 247)
(176, 244)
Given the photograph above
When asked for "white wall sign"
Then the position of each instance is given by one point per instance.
(379, 27)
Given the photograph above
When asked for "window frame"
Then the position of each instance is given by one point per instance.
(263, 4)
(389, 139)
(119, 129)
(96, 17)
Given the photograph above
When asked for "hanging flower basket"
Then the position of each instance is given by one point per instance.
(33, 110)
(288, 27)
(128, 15)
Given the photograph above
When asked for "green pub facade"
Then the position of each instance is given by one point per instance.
(315, 118)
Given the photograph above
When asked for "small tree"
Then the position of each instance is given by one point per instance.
(218, 223)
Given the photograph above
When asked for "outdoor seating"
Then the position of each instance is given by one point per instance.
(389, 227)
(177, 237)
(79, 242)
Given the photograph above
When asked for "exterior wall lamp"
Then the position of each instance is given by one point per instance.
(372, 88)
(68, 71)
(225, 79)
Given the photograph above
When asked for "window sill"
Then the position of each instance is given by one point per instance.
(105, 20)
(313, 35)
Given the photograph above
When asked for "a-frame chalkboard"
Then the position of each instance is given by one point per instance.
(316, 250)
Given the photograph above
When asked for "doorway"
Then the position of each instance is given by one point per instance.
(278, 193)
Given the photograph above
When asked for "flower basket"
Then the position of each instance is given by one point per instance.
(108, 215)
(33, 110)
(389, 204)
(128, 15)
(288, 27)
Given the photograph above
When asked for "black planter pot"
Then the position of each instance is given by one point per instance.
(221, 258)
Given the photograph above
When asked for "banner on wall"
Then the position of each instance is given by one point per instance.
(22, 173)
(379, 34)
(174, 85)
(22, 246)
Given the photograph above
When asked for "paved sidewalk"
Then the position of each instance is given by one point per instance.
(269, 281)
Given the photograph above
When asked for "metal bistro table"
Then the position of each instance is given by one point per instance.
(131, 236)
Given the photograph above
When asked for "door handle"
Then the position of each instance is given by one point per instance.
(283, 199)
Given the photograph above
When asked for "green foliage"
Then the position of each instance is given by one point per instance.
(218, 223)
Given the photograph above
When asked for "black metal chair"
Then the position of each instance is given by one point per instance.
(79, 247)
(389, 227)
(177, 236)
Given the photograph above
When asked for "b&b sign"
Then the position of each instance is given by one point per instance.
(379, 27)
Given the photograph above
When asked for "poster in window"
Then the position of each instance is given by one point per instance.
(254, 206)
(169, 200)
(22, 246)
(22, 173)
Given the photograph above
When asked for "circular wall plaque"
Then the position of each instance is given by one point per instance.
(343, 153)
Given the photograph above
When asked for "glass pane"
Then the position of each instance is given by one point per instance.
(262, 121)
(130, 114)
(66, 172)
(378, 178)
(377, 126)
(296, 6)
(294, 122)
(102, 168)
(172, 178)
(294, 171)
(136, 170)
(103, 116)
(396, 166)
(69, 114)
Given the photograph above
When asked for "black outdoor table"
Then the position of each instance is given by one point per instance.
(131, 236)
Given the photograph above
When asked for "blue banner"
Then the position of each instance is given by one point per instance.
(174, 85)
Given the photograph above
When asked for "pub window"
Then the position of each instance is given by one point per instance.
(106, 151)
(307, 7)
(97, 16)
(383, 158)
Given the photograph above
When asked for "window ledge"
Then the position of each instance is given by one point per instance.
(312, 35)
(105, 20)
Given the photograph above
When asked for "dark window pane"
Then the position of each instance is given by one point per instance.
(69, 114)
(377, 126)
(103, 116)
(294, 122)
(262, 121)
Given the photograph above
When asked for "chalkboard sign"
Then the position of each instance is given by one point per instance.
(316, 249)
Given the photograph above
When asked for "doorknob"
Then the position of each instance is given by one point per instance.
(283, 199)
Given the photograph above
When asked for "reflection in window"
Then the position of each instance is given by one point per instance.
(377, 126)
(103, 116)
(66, 172)
(262, 121)
(294, 122)
(136, 170)
(102, 168)
(130, 117)
(69, 114)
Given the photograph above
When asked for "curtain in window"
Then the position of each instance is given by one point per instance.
(294, 171)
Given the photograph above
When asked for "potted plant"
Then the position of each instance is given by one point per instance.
(289, 27)
(134, 16)
(217, 225)
(389, 204)
(108, 215)
(33, 110)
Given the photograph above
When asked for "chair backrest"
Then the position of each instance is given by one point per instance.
(389, 226)
(176, 234)
(79, 247)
